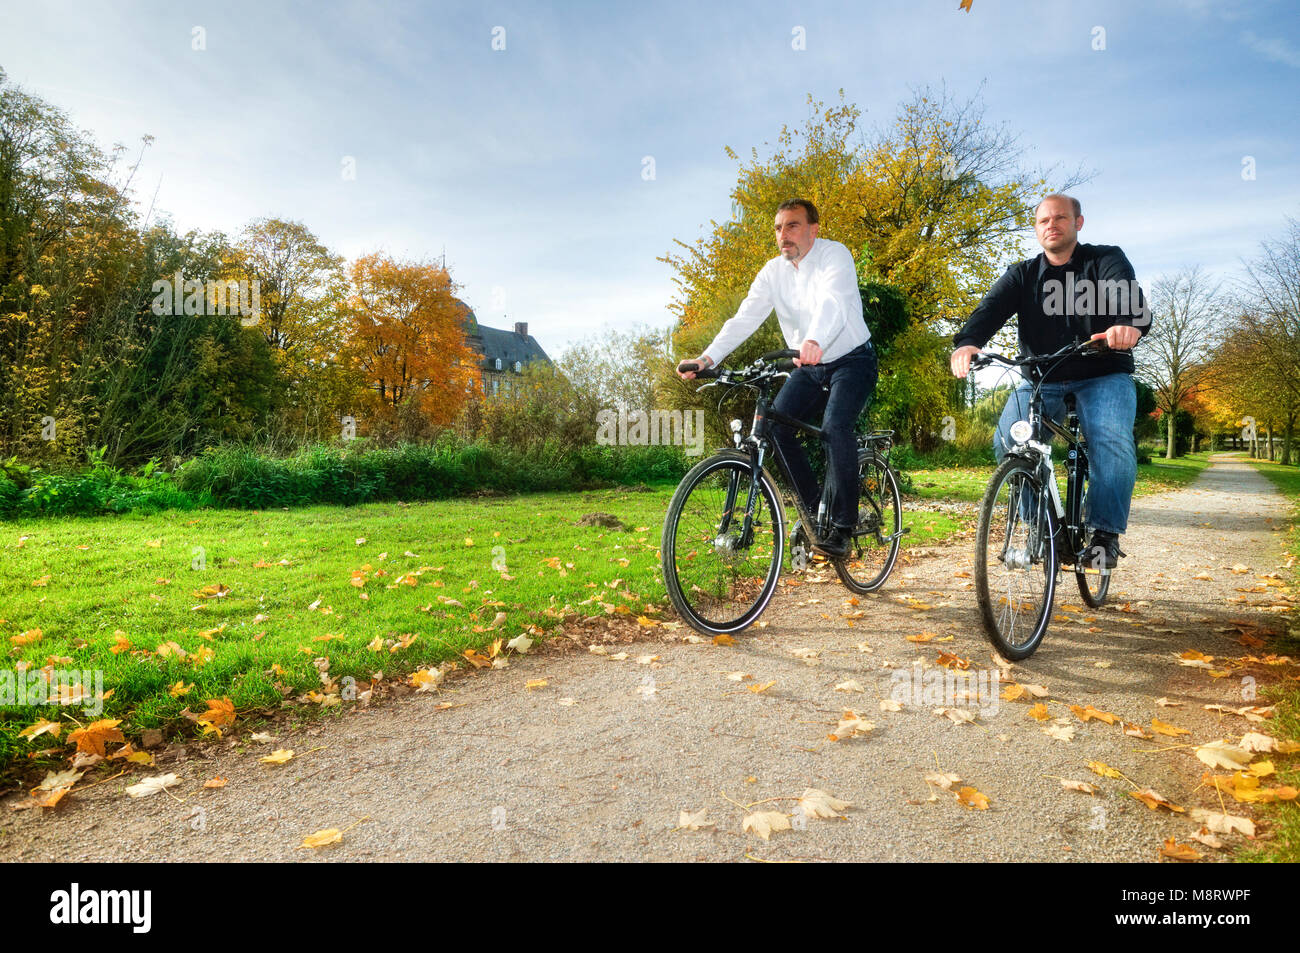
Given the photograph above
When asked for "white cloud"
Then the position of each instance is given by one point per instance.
(1272, 48)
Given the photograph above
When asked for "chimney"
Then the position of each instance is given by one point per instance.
(521, 328)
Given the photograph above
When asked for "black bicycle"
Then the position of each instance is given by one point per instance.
(1025, 533)
(724, 536)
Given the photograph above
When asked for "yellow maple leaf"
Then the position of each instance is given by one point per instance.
(41, 727)
(1178, 851)
(330, 835)
(1040, 712)
(1154, 800)
(278, 756)
(92, 738)
(969, 797)
(26, 638)
(1087, 711)
(1163, 728)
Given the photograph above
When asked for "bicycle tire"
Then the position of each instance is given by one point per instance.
(880, 516)
(719, 584)
(1093, 586)
(1014, 624)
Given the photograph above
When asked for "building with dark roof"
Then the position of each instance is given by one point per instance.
(503, 355)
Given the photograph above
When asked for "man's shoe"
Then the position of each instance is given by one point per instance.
(1103, 552)
(836, 545)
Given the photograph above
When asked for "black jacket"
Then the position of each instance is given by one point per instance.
(1057, 305)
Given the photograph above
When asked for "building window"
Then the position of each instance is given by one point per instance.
(519, 367)
(498, 363)
(496, 385)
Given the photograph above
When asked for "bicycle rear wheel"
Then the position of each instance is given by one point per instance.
(874, 548)
(1015, 559)
(1094, 581)
(720, 578)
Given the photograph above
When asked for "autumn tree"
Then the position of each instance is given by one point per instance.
(1269, 303)
(1187, 317)
(934, 206)
(406, 339)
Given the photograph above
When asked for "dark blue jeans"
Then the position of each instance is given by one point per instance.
(851, 380)
(1106, 407)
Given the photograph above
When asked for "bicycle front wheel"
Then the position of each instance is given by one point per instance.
(877, 537)
(1015, 559)
(720, 573)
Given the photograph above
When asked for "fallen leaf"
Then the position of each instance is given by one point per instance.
(850, 686)
(943, 780)
(693, 822)
(817, 803)
(217, 782)
(1178, 851)
(1222, 754)
(1163, 728)
(1040, 712)
(278, 756)
(1087, 712)
(330, 835)
(151, 786)
(1251, 741)
(1059, 732)
(1223, 823)
(972, 798)
(850, 726)
(1154, 800)
(766, 823)
(95, 735)
(42, 727)
(1083, 786)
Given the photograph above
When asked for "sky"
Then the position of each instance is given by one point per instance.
(514, 137)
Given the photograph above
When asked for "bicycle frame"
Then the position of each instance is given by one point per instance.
(759, 442)
(1069, 515)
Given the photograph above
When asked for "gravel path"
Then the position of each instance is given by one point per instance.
(518, 774)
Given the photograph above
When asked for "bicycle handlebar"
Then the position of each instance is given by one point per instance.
(1088, 347)
(780, 360)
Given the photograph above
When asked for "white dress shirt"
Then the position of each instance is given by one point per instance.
(817, 301)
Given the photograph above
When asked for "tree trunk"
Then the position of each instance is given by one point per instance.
(1270, 441)
(1286, 439)
(1169, 429)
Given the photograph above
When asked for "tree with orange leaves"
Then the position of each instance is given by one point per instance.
(406, 339)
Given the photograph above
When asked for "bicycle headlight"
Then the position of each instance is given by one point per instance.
(737, 425)
(1021, 431)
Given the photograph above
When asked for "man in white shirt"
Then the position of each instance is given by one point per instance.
(813, 287)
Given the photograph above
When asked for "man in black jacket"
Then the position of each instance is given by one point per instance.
(1068, 293)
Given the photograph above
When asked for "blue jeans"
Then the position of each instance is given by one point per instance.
(852, 382)
(1106, 407)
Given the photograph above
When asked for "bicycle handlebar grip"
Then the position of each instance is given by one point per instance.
(785, 365)
(778, 355)
(701, 373)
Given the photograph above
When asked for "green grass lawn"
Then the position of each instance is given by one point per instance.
(1161, 475)
(353, 585)
(969, 483)
(1285, 817)
(437, 571)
